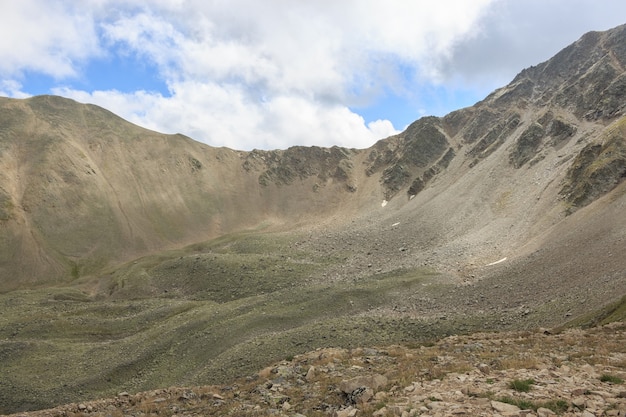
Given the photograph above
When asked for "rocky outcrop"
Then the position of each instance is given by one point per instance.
(586, 78)
(411, 158)
(299, 162)
(598, 168)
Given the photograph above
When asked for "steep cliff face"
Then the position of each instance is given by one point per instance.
(561, 108)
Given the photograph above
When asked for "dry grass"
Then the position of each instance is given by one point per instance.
(520, 362)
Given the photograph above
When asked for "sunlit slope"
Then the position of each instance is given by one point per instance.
(82, 189)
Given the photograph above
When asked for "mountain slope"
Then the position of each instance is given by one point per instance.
(81, 189)
(132, 260)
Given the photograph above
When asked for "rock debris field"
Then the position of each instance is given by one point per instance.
(542, 373)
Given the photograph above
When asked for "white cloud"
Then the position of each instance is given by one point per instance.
(12, 88)
(246, 73)
(49, 37)
(223, 115)
(514, 35)
(132, 107)
(270, 74)
(382, 128)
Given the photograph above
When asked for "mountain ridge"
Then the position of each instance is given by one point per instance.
(154, 260)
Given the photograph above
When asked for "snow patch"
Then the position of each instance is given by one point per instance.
(497, 262)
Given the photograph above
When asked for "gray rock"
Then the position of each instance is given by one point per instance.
(501, 407)
(347, 412)
(374, 382)
(310, 374)
(545, 412)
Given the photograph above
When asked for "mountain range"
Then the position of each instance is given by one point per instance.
(132, 260)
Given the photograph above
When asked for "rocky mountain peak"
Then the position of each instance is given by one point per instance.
(586, 78)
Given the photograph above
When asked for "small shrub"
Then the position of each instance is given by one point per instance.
(380, 405)
(612, 379)
(522, 404)
(490, 394)
(521, 385)
(558, 406)
(519, 363)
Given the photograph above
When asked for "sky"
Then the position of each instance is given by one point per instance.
(270, 74)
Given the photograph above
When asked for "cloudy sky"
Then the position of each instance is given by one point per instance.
(270, 74)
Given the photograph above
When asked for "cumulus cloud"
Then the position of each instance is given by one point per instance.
(249, 74)
(53, 38)
(514, 35)
(12, 88)
(221, 115)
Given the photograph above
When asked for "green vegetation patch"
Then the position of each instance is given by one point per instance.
(520, 385)
(6, 206)
(229, 268)
(610, 313)
(199, 315)
(557, 406)
(598, 168)
(611, 379)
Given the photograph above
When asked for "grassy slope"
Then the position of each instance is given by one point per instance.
(161, 320)
(60, 344)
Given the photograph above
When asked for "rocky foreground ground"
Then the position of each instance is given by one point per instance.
(570, 373)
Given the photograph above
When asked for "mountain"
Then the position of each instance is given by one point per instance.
(82, 189)
(134, 260)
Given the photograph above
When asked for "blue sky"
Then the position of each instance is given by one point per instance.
(272, 74)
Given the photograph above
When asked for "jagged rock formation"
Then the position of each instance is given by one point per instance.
(133, 247)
